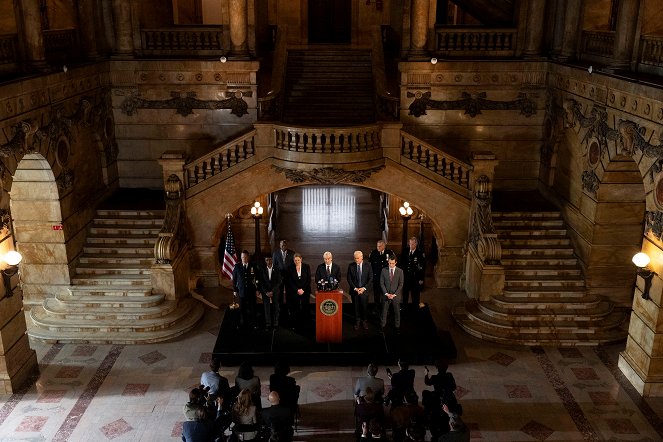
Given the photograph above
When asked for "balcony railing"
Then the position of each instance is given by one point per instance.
(475, 41)
(328, 140)
(8, 54)
(60, 44)
(598, 45)
(189, 41)
(651, 52)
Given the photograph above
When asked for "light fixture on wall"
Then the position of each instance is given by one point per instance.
(406, 213)
(641, 261)
(256, 213)
(12, 258)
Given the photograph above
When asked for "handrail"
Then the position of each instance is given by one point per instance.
(598, 43)
(435, 160)
(482, 236)
(269, 106)
(328, 140)
(172, 236)
(475, 40)
(197, 40)
(651, 50)
(387, 106)
(59, 40)
(220, 159)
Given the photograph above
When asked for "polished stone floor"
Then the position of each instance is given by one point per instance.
(136, 393)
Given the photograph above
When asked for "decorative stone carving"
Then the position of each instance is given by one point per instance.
(172, 237)
(5, 219)
(65, 180)
(184, 104)
(596, 124)
(632, 139)
(328, 175)
(590, 182)
(482, 235)
(472, 104)
(23, 138)
(654, 222)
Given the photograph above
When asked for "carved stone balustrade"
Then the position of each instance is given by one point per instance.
(475, 41)
(60, 44)
(598, 45)
(651, 53)
(195, 41)
(8, 53)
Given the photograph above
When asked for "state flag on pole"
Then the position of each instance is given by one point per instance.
(229, 255)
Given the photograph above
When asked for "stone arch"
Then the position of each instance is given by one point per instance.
(37, 217)
(447, 211)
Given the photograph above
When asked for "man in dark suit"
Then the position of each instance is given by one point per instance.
(245, 276)
(278, 418)
(328, 271)
(299, 291)
(391, 285)
(360, 278)
(415, 269)
(402, 383)
(283, 258)
(270, 282)
(378, 259)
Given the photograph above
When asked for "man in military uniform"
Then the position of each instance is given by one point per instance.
(378, 260)
(415, 268)
(244, 287)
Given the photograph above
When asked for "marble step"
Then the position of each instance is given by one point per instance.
(527, 250)
(535, 240)
(135, 221)
(511, 271)
(546, 325)
(520, 215)
(81, 300)
(118, 249)
(130, 213)
(140, 240)
(521, 231)
(556, 338)
(553, 303)
(519, 282)
(119, 280)
(545, 312)
(183, 319)
(124, 230)
(543, 223)
(117, 258)
(537, 261)
(57, 309)
(113, 269)
(108, 290)
(533, 292)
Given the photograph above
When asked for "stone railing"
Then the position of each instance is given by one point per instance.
(8, 54)
(59, 41)
(477, 41)
(327, 140)
(598, 44)
(172, 236)
(220, 159)
(190, 41)
(438, 162)
(651, 50)
(269, 106)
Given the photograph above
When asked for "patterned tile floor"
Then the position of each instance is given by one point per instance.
(136, 393)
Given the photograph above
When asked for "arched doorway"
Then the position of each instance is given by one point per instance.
(329, 21)
(37, 217)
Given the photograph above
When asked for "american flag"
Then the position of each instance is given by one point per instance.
(229, 256)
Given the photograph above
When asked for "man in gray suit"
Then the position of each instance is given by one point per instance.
(391, 283)
(360, 278)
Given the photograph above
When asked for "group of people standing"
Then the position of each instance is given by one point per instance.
(283, 282)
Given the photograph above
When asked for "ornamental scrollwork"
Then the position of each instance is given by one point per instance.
(65, 180)
(172, 236)
(632, 140)
(5, 219)
(327, 175)
(184, 103)
(472, 104)
(654, 222)
(482, 235)
(590, 181)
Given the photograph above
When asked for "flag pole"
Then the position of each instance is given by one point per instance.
(233, 305)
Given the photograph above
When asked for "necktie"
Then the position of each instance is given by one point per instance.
(391, 275)
(328, 271)
(359, 273)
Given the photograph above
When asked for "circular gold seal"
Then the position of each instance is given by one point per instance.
(328, 307)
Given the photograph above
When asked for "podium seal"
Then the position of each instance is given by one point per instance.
(328, 307)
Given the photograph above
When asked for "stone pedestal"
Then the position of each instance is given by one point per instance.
(18, 362)
(172, 279)
(482, 281)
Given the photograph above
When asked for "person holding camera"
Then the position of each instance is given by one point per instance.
(402, 383)
(370, 381)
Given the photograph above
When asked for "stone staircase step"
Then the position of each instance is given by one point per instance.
(533, 292)
(126, 230)
(517, 282)
(79, 311)
(537, 261)
(522, 231)
(129, 214)
(112, 269)
(118, 249)
(117, 258)
(542, 223)
(535, 241)
(180, 321)
(518, 214)
(113, 280)
(513, 271)
(546, 311)
(554, 303)
(141, 240)
(108, 301)
(107, 290)
(556, 251)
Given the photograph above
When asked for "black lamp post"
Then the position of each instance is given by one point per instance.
(256, 212)
(12, 258)
(641, 261)
(406, 214)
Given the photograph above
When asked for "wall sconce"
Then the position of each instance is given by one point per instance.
(12, 258)
(641, 261)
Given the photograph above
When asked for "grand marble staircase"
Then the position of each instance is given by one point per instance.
(110, 299)
(545, 300)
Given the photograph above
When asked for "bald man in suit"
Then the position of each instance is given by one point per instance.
(391, 283)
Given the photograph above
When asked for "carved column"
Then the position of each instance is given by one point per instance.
(88, 28)
(31, 32)
(124, 43)
(419, 29)
(626, 33)
(534, 32)
(239, 47)
(18, 362)
(558, 32)
(571, 30)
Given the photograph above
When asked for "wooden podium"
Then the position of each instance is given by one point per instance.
(329, 316)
